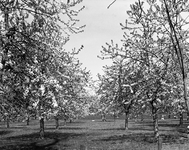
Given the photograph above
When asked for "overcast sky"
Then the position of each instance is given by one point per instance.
(102, 25)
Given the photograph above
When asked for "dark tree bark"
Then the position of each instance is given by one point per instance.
(181, 118)
(126, 119)
(187, 116)
(156, 127)
(27, 119)
(103, 117)
(65, 121)
(41, 121)
(7, 121)
(169, 116)
(77, 117)
(42, 128)
(57, 122)
(35, 117)
(127, 108)
(142, 117)
(155, 121)
(179, 52)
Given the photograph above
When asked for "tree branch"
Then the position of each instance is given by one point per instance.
(111, 4)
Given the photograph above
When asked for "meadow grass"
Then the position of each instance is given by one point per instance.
(93, 134)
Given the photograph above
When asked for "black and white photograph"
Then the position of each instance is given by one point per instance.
(94, 74)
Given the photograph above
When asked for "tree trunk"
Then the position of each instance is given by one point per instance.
(187, 115)
(169, 116)
(180, 56)
(7, 121)
(179, 52)
(142, 117)
(42, 128)
(126, 120)
(160, 143)
(181, 118)
(6, 21)
(46, 117)
(103, 117)
(57, 122)
(27, 119)
(114, 116)
(41, 122)
(185, 95)
(155, 122)
(65, 122)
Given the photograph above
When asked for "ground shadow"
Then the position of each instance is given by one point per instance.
(160, 124)
(40, 145)
(182, 128)
(137, 128)
(104, 121)
(33, 142)
(162, 127)
(65, 128)
(76, 122)
(169, 126)
(5, 132)
(132, 126)
(138, 137)
(19, 127)
(140, 129)
(109, 129)
(50, 135)
(144, 137)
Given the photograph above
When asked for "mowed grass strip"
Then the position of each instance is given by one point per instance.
(93, 134)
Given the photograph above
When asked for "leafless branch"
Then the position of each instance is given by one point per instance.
(111, 4)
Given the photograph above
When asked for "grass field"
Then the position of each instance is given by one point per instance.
(93, 134)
